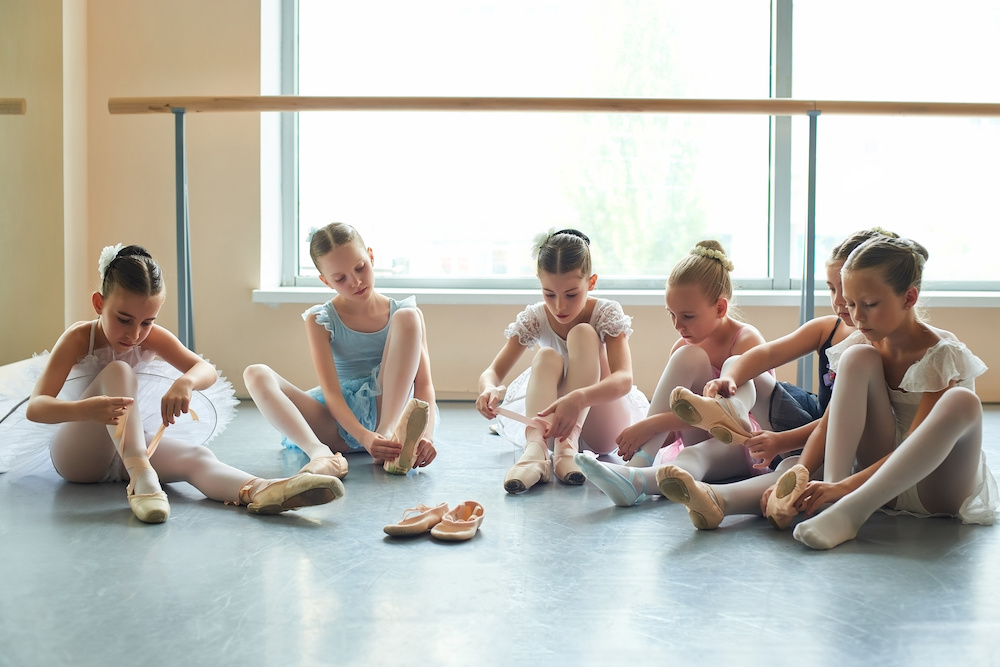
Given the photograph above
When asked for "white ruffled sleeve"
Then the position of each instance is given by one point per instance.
(611, 320)
(408, 302)
(947, 361)
(834, 352)
(322, 315)
(527, 327)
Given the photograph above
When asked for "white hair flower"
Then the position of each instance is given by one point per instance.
(539, 241)
(713, 254)
(107, 256)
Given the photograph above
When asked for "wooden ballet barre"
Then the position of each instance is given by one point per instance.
(772, 107)
(13, 106)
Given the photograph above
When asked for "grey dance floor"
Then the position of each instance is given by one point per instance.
(557, 576)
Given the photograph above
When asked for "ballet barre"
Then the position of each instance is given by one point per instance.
(179, 106)
(13, 106)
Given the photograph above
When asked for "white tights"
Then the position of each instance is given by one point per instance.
(940, 457)
(85, 451)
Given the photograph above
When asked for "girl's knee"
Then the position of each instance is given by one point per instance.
(583, 334)
(689, 356)
(547, 359)
(406, 321)
(119, 373)
(255, 374)
(858, 357)
(960, 404)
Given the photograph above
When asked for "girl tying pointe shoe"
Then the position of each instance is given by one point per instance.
(580, 381)
(94, 383)
(792, 418)
(905, 424)
(698, 296)
(370, 354)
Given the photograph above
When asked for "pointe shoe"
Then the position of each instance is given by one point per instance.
(565, 468)
(147, 507)
(302, 490)
(333, 466)
(703, 506)
(526, 473)
(715, 415)
(617, 487)
(416, 524)
(460, 523)
(408, 430)
(781, 503)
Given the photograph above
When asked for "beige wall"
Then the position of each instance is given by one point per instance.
(190, 47)
(31, 178)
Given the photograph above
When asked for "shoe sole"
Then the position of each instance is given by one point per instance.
(414, 429)
(782, 489)
(674, 490)
(307, 498)
(690, 415)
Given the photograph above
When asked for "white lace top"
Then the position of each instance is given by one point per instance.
(532, 326)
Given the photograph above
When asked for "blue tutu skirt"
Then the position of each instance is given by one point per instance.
(361, 396)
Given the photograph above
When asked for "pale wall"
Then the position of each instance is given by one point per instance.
(196, 48)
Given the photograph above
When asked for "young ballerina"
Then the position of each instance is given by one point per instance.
(580, 380)
(698, 296)
(905, 424)
(709, 503)
(100, 409)
(370, 354)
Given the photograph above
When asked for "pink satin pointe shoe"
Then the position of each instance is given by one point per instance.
(459, 524)
(302, 490)
(781, 503)
(417, 520)
(147, 507)
(565, 468)
(333, 466)
(715, 415)
(408, 430)
(526, 473)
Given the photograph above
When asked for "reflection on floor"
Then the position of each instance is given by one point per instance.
(557, 575)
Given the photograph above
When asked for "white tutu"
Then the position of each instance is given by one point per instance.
(215, 406)
(512, 430)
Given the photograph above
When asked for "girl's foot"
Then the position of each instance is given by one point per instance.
(533, 467)
(616, 486)
(273, 496)
(781, 503)
(716, 415)
(704, 507)
(151, 506)
(826, 530)
(563, 464)
(334, 466)
(408, 430)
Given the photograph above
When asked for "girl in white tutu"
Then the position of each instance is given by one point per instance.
(579, 387)
(95, 387)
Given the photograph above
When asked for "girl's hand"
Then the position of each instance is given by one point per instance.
(720, 387)
(425, 453)
(381, 448)
(177, 400)
(818, 494)
(633, 437)
(489, 400)
(562, 416)
(763, 447)
(107, 410)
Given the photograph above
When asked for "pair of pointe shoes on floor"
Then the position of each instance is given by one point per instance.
(707, 510)
(459, 524)
(716, 415)
(528, 472)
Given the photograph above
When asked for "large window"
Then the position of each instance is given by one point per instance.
(454, 199)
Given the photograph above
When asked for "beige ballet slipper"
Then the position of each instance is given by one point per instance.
(334, 465)
(781, 503)
(704, 507)
(715, 415)
(408, 430)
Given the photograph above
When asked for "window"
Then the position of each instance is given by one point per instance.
(454, 199)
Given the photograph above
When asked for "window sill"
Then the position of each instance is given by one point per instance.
(486, 297)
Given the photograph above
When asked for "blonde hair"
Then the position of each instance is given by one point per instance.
(708, 267)
(842, 250)
(899, 261)
(562, 252)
